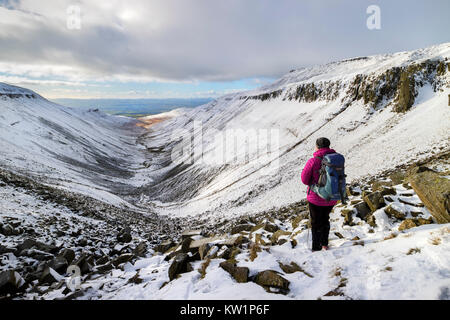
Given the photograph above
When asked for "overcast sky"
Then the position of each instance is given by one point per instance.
(191, 48)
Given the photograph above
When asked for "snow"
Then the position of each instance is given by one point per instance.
(371, 140)
(383, 265)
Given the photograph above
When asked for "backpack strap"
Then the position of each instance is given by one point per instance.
(310, 180)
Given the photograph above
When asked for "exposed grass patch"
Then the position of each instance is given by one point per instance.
(435, 241)
(203, 267)
(391, 236)
(413, 251)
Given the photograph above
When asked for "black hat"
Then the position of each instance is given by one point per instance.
(322, 143)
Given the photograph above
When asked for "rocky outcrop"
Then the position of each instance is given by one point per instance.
(272, 282)
(240, 274)
(434, 191)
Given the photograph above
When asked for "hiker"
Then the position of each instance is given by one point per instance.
(319, 208)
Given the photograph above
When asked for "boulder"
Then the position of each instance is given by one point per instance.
(10, 282)
(352, 191)
(407, 224)
(277, 234)
(241, 227)
(203, 250)
(33, 244)
(67, 254)
(434, 191)
(59, 264)
(122, 259)
(103, 268)
(397, 177)
(422, 221)
(124, 235)
(374, 200)
(49, 276)
(190, 233)
(179, 265)
(391, 212)
(271, 227)
(272, 282)
(185, 245)
(348, 216)
(240, 274)
(140, 249)
(85, 263)
(370, 219)
(164, 246)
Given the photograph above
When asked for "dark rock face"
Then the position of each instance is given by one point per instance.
(272, 282)
(10, 282)
(240, 274)
(434, 191)
(124, 236)
(241, 227)
(164, 246)
(374, 200)
(59, 264)
(33, 244)
(179, 265)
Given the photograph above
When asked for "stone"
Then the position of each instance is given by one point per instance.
(339, 235)
(271, 227)
(391, 212)
(122, 259)
(407, 224)
(385, 191)
(374, 200)
(124, 235)
(422, 221)
(240, 228)
(397, 177)
(84, 263)
(272, 282)
(434, 191)
(33, 244)
(59, 264)
(185, 245)
(102, 260)
(7, 230)
(370, 219)
(164, 246)
(240, 274)
(277, 234)
(103, 268)
(351, 191)
(67, 254)
(203, 250)
(190, 233)
(179, 265)
(348, 216)
(49, 276)
(140, 249)
(11, 282)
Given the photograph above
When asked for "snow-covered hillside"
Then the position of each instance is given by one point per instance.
(83, 151)
(379, 111)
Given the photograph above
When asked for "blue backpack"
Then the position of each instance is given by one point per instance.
(331, 184)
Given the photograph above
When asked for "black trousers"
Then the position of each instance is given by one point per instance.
(320, 225)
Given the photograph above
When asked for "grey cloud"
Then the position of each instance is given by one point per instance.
(224, 40)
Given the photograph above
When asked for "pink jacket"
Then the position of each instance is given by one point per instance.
(310, 175)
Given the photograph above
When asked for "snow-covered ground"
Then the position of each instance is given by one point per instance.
(366, 263)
